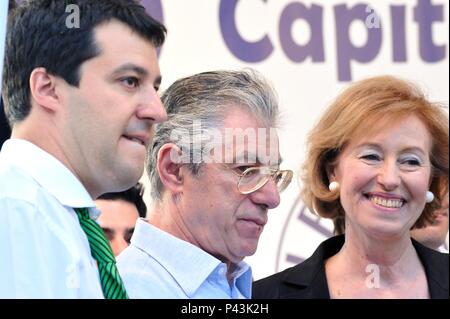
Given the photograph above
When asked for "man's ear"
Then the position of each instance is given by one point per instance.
(169, 167)
(43, 89)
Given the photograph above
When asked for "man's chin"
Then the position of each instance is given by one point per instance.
(129, 178)
(249, 251)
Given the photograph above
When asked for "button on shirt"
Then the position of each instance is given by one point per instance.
(44, 253)
(159, 265)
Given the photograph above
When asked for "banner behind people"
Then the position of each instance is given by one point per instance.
(310, 50)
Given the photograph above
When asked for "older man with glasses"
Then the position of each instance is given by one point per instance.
(214, 174)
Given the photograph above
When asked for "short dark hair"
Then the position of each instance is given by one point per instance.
(38, 37)
(11, 4)
(133, 195)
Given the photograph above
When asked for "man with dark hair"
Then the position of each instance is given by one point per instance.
(119, 212)
(80, 92)
(434, 235)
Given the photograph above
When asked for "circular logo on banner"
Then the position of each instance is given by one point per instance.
(302, 232)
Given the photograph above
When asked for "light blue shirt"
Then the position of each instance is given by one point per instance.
(159, 265)
(44, 253)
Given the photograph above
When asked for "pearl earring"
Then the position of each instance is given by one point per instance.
(429, 197)
(333, 187)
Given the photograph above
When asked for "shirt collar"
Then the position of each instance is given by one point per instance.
(170, 250)
(48, 172)
(243, 279)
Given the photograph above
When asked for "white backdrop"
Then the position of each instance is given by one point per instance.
(197, 42)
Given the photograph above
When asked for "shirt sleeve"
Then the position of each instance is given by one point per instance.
(34, 263)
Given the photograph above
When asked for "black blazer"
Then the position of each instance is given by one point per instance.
(308, 280)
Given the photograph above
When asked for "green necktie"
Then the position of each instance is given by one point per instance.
(112, 284)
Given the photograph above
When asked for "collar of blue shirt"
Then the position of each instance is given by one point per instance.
(187, 263)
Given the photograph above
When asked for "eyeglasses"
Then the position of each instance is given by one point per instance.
(253, 178)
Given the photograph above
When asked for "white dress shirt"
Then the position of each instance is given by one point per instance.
(44, 253)
(159, 265)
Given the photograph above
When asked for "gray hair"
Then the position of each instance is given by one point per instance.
(207, 97)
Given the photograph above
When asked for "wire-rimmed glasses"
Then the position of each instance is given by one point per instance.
(253, 178)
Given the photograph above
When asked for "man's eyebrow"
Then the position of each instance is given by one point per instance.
(240, 158)
(243, 158)
(130, 67)
(277, 163)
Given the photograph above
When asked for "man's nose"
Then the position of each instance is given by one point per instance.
(268, 195)
(118, 244)
(152, 108)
